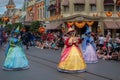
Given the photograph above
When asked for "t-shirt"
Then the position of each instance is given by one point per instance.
(101, 40)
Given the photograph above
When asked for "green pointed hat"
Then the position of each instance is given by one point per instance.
(17, 29)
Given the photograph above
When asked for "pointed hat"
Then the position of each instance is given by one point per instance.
(70, 29)
(17, 29)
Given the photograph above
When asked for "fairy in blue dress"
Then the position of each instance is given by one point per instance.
(15, 58)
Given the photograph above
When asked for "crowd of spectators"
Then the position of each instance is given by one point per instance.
(108, 48)
(50, 40)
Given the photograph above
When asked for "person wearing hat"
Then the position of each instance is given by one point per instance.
(89, 48)
(15, 58)
(71, 58)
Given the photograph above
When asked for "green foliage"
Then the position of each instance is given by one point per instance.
(1, 22)
(35, 26)
(17, 24)
(10, 27)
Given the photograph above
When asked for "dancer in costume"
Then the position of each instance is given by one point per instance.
(71, 58)
(89, 48)
(15, 58)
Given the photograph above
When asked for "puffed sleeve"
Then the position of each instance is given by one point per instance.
(12, 42)
(79, 40)
(68, 42)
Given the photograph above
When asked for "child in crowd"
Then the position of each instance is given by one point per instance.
(53, 45)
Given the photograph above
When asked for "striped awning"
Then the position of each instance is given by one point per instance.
(65, 3)
(79, 1)
(53, 26)
(118, 23)
(92, 1)
(108, 2)
(111, 25)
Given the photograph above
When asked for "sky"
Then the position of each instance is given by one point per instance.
(3, 3)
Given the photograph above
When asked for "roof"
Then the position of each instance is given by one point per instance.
(11, 2)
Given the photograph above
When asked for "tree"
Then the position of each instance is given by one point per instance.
(10, 27)
(35, 26)
(17, 24)
(1, 22)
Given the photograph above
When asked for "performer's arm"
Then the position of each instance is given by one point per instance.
(68, 43)
(12, 44)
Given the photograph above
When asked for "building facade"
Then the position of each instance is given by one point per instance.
(35, 10)
(30, 11)
(12, 14)
(10, 10)
(104, 13)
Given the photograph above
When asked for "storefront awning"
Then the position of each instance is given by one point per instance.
(93, 2)
(65, 3)
(79, 1)
(52, 26)
(108, 2)
(111, 25)
(118, 23)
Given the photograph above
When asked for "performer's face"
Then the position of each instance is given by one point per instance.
(71, 33)
(89, 34)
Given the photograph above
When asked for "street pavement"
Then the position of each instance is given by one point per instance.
(43, 66)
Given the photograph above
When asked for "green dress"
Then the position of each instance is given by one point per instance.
(15, 58)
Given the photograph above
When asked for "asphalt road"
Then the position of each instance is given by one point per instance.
(43, 63)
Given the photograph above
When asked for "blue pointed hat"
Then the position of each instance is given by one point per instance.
(17, 30)
(88, 30)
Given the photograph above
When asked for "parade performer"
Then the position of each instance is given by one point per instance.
(71, 58)
(15, 58)
(89, 48)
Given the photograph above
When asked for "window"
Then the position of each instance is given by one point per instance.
(52, 12)
(43, 13)
(118, 8)
(66, 9)
(108, 8)
(79, 7)
(40, 13)
(93, 7)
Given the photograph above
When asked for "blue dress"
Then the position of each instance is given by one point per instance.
(15, 57)
(84, 43)
(89, 50)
